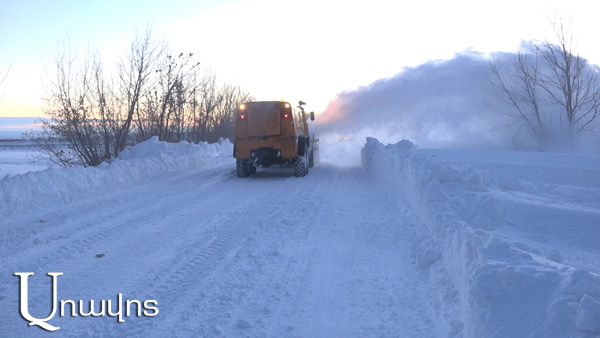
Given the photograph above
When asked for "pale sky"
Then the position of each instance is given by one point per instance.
(309, 50)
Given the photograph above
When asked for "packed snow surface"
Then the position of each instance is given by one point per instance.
(272, 255)
(417, 243)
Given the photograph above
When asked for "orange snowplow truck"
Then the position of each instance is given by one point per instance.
(273, 133)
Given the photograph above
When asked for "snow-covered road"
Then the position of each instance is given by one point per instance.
(168, 242)
(272, 255)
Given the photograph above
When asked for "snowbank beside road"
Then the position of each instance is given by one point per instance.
(136, 164)
(509, 284)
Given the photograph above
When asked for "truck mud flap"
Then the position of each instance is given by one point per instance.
(301, 145)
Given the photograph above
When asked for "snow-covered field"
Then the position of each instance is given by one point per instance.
(19, 155)
(421, 243)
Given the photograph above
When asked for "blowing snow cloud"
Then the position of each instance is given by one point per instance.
(440, 104)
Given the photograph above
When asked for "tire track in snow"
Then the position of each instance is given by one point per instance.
(21, 233)
(63, 254)
(260, 302)
(94, 230)
(354, 277)
(198, 266)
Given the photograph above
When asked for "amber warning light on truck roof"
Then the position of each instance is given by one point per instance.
(242, 106)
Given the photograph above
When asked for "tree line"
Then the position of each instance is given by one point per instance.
(93, 115)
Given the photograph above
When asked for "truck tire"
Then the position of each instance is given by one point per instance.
(301, 165)
(311, 160)
(242, 168)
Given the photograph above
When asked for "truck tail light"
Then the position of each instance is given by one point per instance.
(242, 117)
(286, 116)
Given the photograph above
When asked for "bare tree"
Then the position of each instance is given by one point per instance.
(224, 118)
(571, 83)
(73, 117)
(175, 91)
(105, 107)
(546, 78)
(208, 103)
(134, 75)
(520, 89)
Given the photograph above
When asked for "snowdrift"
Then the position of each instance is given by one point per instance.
(507, 288)
(137, 164)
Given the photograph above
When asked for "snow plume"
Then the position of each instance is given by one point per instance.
(440, 104)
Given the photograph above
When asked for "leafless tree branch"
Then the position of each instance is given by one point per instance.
(3, 78)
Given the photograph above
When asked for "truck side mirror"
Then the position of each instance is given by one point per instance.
(312, 115)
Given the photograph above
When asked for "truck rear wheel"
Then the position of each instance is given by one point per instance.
(242, 168)
(301, 165)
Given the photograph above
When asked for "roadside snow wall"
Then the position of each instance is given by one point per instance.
(506, 289)
(142, 162)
